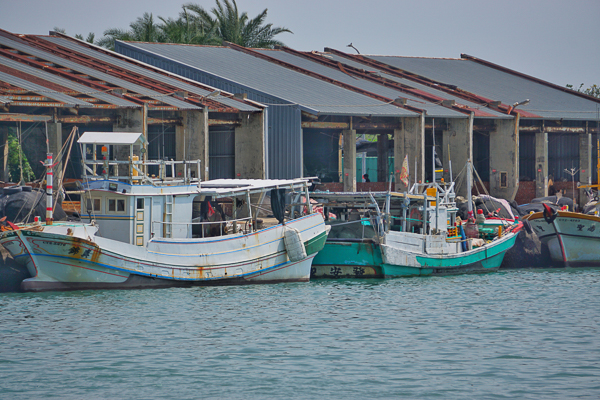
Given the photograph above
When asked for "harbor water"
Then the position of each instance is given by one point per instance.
(527, 334)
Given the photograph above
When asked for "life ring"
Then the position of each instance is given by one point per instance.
(549, 214)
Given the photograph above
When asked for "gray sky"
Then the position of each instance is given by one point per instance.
(554, 40)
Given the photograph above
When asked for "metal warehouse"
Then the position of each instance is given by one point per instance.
(517, 129)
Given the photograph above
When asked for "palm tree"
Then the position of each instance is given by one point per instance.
(188, 29)
(231, 26)
(144, 29)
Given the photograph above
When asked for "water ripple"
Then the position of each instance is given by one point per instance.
(517, 334)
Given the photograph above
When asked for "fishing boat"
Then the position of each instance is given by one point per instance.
(571, 237)
(424, 236)
(140, 230)
(352, 249)
(417, 233)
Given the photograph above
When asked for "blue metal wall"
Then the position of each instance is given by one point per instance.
(284, 133)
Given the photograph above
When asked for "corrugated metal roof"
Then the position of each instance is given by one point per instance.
(131, 66)
(96, 74)
(432, 110)
(66, 83)
(445, 95)
(545, 101)
(263, 76)
(43, 91)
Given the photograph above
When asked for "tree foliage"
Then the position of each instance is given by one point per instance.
(14, 162)
(195, 25)
(593, 90)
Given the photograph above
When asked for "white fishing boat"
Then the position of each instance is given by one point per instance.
(140, 231)
(572, 238)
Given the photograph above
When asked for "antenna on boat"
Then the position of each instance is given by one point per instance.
(49, 184)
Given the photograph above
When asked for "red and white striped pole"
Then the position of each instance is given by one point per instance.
(49, 185)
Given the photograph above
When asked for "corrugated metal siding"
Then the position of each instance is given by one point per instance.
(527, 156)
(481, 155)
(322, 161)
(161, 145)
(563, 153)
(284, 157)
(221, 152)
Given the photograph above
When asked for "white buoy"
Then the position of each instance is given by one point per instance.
(294, 244)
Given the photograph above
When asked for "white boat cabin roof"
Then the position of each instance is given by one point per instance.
(215, 188)
(112, 138)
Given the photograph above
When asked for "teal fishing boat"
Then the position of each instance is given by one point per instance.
(418, 233)
(425, 236)
(352, 249)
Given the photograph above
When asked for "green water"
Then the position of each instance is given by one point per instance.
(518, 334)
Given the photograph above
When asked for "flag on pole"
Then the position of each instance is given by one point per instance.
(404, 173)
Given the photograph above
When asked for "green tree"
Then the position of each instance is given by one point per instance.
(144, 29)
(231, 26)
(593, 90)
(188, 29)
(15, 162)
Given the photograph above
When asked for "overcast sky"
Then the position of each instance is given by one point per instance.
(554, 40)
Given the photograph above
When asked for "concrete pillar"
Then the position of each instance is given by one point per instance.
(383, 144)
(55, 143)
(457, 142)
(349, 170)
(250, 147)
(127, 120)
(409, 140)
(504, 159)
(4, 153)
(541, 163)
(191, 140)
(585, 165)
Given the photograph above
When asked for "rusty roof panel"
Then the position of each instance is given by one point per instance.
(545, 101)
(96, 74)
(43, 91)
(134, 66)
(118, 101)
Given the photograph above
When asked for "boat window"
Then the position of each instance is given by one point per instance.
(92, 202)
(116, 205)
(140, 204)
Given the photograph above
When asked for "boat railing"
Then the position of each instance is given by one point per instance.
(445, 190)
(167, 226)
(136, 171)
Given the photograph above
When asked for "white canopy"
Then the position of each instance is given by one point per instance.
(112, 138)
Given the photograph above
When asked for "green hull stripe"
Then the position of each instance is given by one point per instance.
(487, 260)
(315, 244)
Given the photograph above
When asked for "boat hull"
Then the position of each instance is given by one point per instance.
(573, 239)
(399, 261)
(62, 262)
(348, 259)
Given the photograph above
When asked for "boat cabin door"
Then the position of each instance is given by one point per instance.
(142, 220)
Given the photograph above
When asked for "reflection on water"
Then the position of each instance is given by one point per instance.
(517, 334)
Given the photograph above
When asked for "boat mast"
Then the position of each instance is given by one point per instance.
(469, 189)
